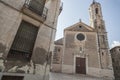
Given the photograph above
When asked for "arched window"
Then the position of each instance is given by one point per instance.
(96, 10)
(58, 49)
(102, 54)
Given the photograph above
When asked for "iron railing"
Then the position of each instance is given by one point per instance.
(61, 7)
(37, 7)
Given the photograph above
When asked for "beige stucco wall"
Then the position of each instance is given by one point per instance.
(11, 16)
(17, 4)
(9, 23)
(56, 65)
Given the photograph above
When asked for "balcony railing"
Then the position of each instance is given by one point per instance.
(37, 7)
(61, 7)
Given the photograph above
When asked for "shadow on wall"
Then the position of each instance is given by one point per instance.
(2, 48)
(40, 56)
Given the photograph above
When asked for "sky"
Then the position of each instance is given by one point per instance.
(74, 10)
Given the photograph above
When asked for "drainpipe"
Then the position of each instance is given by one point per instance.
(50, 42)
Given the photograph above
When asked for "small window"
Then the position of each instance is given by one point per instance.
(96, 10)
(80, 26)
(58, 50)
(99, 27)
(102, 53)
(119, 49)
(80, 48)
(80, 37)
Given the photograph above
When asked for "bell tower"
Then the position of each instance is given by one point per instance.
(97, 22)
(95, 15)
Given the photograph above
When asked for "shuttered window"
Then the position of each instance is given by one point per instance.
(23, 43)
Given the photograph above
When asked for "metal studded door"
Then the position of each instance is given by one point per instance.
(80, 65)
(24, 40)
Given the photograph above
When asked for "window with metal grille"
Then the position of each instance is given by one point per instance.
(37, 6)
(12, 77)
(24, 40)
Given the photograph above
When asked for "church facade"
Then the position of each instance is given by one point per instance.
(85, 48)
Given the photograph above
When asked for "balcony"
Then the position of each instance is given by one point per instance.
(35, 9)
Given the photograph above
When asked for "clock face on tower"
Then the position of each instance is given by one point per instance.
(80, 37)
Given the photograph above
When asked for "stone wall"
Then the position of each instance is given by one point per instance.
(11, 15)
(89, 46)
(115, 54)
(72, 49)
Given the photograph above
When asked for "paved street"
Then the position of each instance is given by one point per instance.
(59, 76)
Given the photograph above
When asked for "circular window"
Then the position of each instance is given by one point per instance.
(80, 37)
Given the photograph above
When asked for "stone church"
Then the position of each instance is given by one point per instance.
(84, 48)
(27, 32)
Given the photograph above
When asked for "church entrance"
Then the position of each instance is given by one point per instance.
(80, 65)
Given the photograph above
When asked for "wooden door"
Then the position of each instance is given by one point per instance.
(80, 65)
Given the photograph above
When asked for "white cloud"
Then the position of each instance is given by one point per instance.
(115, 43)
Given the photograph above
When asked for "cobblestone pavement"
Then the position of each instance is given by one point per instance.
(60, 76)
